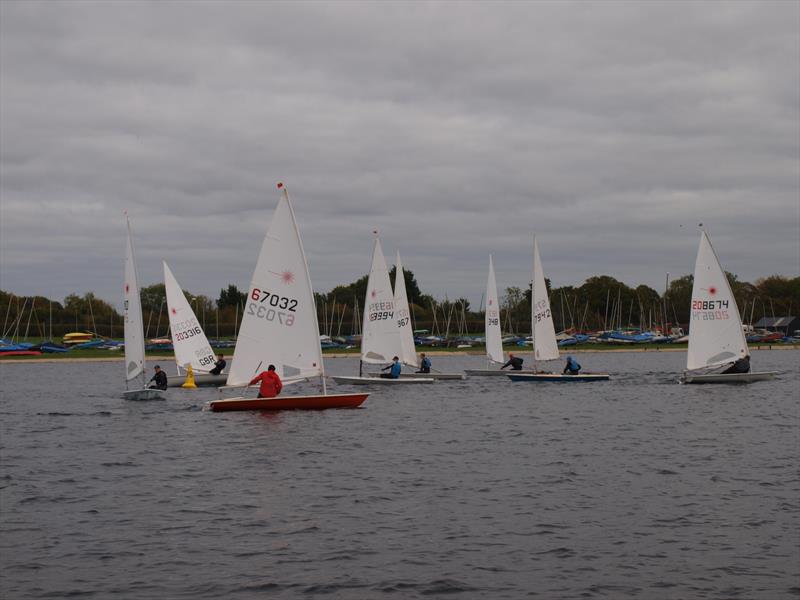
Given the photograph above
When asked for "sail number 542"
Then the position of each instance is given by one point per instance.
(265, 297)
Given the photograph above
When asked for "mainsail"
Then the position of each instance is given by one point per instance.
(715, 327)
(279, 325)
(494, 337)
(380, 340)
(408, 353)
(190, 343)
(544, 333)
(132, 311)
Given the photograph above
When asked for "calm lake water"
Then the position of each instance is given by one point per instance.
(638, 487)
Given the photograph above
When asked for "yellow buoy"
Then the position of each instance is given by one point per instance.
(189, 383)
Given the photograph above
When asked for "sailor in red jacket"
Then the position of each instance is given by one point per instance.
(270, 383)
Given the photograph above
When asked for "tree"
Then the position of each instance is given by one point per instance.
(231, 297)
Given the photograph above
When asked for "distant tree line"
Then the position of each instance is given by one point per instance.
(601, 302)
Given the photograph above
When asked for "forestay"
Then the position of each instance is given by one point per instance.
(544, 333)
(190, 343)
(494, 337)
(132, 312)
(279, 325)
(380, 339)
(715, 327)
(408, 353)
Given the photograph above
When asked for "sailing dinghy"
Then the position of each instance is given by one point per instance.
(134, 330)
(494, 337)
(408, 352)
(280, 326)
(716, 337)
(386, 324)
(188, 339)
(544, 334)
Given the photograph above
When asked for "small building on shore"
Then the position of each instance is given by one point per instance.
(784, 325)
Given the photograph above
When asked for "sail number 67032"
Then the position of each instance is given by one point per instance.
(270, 314)
(265, 297)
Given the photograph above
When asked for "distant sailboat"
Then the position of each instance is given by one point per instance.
(383, 325)
(188, 339)
(544, 334)
(280, 325)
(134, 330)
(716, 337)
(494, 336)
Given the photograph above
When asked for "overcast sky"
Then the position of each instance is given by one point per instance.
(455, 129)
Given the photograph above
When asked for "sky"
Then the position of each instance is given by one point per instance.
(608, 129)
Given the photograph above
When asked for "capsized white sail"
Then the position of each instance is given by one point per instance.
(544, 333)
(190, 343)
(380, 337)
(494, 336)
(279, 325)
(715, 327)
(132, 312)
(408, 352)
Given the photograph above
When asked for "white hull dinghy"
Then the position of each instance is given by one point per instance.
(134, 330)
(716, 337)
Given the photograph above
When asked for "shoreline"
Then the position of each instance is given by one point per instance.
(464, 352)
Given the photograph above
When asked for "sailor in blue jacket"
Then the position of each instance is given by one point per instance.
(395, 369)
(425, 364)
(572, 367)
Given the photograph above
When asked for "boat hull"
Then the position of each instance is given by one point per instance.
(378, 380)
(146, 394)
(316, 402)
(559, 378)
(728, 377)
(435, 376)
(200, 379)
(493, 372)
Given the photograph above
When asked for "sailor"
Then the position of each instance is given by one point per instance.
(424, 364)
(160, 379)
(515, 362)
(740, 366)
(572, 367)
(271, 384)
(218, 366)
(395, 369)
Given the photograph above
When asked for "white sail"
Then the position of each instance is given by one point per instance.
(402, 317)
(190, 343)
(544, 333)
(132, 311)
(494, 336)
(380, 339)
(715, 327)
(279, 325)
